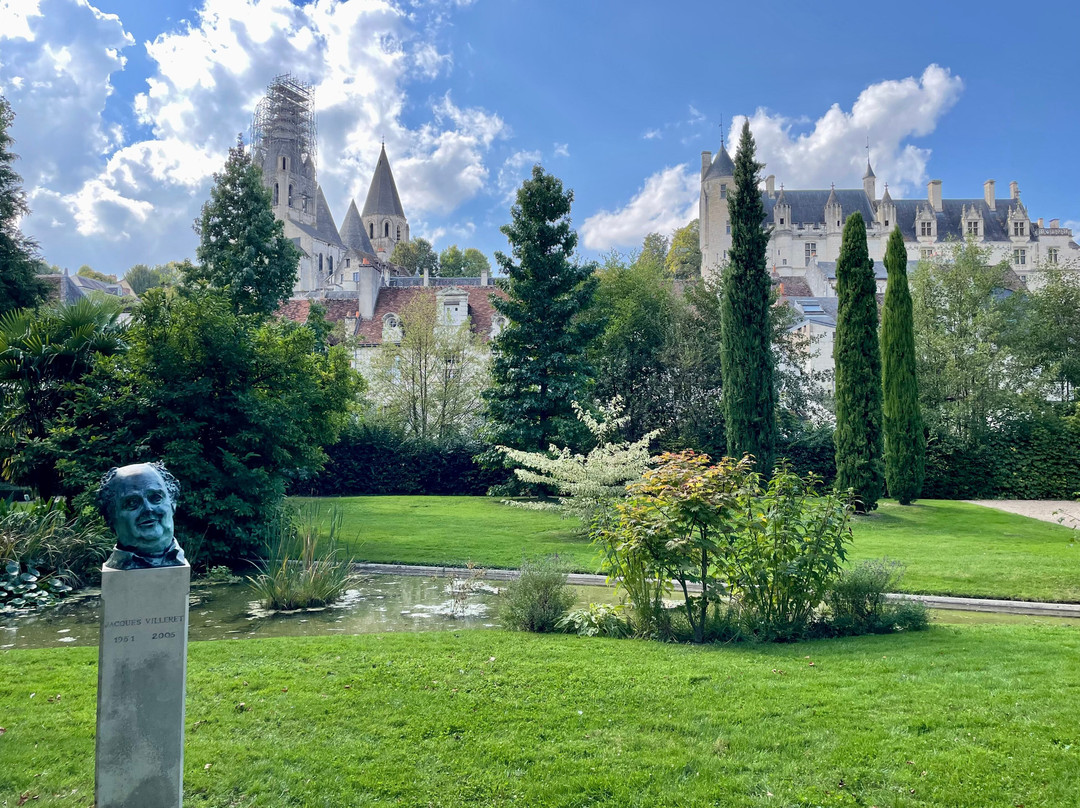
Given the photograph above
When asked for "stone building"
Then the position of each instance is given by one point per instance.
(348, 271)
(806, 229)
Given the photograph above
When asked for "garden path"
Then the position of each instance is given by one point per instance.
(1060, 511)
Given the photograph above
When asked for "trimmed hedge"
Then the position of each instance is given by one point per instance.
(371, 461)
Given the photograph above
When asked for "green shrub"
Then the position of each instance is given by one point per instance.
(784, 555)
(857, 604)
(597, 620)
(539, 599)
(302, 569)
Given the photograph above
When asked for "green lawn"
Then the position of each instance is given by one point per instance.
(950, 548)
(974, 717)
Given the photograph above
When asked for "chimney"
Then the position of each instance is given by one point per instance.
(706, 161)
(427, 280)
(770, 185)
(484, 277)
(1014, 190)
(1055, 222)
(988, 195)
(1040, 222)
(933, 194)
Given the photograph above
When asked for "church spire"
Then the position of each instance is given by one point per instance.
(383, 196)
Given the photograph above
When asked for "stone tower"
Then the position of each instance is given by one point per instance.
(383, 217)
(717, 179)
(283, 146)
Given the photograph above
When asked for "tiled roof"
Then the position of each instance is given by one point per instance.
(793, 286)
(324, 220)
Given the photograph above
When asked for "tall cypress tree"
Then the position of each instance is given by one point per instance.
(538, 366)
(905, 441)
(857, 358)
(749, 393)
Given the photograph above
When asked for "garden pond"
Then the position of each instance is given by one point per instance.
(373, 604)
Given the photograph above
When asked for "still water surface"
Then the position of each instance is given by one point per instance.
(375, 604)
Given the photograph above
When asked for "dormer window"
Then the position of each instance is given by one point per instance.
(926, 228)
(392, 330)
(973, 228)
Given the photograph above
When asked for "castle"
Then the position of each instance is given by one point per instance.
(806, 228)
(348, 271)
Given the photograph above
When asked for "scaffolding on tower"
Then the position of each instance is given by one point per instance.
(284, 126)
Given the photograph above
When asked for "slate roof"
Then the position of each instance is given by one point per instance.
(808, 207)
(721, 165)
(353, 233)
(324, 220)
(382, 196)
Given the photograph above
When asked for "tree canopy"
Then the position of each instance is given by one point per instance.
(746, 333)
(684, 256)
(19, 285)
(416, 255)
(243, 248)
(538, 363)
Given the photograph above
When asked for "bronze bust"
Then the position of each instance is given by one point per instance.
(138, 503)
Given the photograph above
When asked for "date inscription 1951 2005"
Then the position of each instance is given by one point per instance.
(159, 627)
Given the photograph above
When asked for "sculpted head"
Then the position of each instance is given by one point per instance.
(138, 503)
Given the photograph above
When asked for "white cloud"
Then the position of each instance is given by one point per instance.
(668, 201)
(513, 172)
(833, 151)
(135, 201)
(652, 134)
(560, 150)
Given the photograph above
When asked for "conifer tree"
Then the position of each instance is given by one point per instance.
(905, 440)
(538, 367)
(857, 358)
(749, 393)
(243, 247)
(19, 285)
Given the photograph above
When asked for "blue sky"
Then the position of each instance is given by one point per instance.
(126, 107)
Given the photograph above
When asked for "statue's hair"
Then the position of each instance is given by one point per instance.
(105, 498)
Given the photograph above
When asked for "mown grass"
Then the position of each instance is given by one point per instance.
(973, 717)
(949, 548)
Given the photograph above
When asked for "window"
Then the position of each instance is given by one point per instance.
(275, 193)
(926, 228)
(371, 230)
(1020, 257)
(331, 260)
(886, 222)
(781, 220)
(320, 262)
(347, 262)
(784, 262)
(290, 195)
(1052, 255)
(386, 229)
(723, 191)
(356, 277)
(1019, 228)
(727, 228)
(399, 233)
(284, 163)
(973, 228)
(837, 222)
(810, 251)
(1023, 278)
(926, 253)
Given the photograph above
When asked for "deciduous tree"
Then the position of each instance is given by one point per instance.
(857, 358)
(905, 439)
(684, 257)
(746, 333)
(416, 256)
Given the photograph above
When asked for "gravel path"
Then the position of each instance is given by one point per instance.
(1061, 511)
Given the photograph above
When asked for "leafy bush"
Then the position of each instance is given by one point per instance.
(539, 599)
(857, 604)
(45, 542)
(597, 620)
(302, 569)
(785, 554)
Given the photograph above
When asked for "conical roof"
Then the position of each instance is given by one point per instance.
(721, 165)
(869, 171)
(382, 197)
(353, 233)
(886, 197)
(832, 198)
(324, 220)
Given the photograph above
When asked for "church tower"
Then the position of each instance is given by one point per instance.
(383, 217)
(283, 146)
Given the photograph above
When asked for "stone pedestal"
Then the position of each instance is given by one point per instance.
(142, 665)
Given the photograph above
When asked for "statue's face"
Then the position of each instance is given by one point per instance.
(143, 510)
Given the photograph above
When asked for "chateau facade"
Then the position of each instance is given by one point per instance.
(808, 225)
